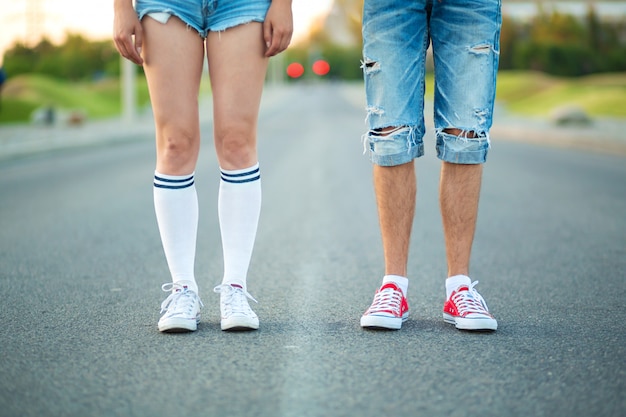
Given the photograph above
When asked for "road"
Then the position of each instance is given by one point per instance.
(81, 267)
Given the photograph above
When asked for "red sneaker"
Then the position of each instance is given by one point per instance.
(467, 310)
(388, 310)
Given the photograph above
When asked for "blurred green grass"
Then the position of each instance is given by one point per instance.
(536, 94)
(521, 92)
(23, 94)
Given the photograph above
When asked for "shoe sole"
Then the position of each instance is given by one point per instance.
(382, 322)
(239, 324)
(178, 325)
(461, 323)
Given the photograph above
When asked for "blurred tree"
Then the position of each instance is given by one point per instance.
(561, 44)
(509, 36)
(3, 77)
(48, 59)
(20, 60)
(75, 59)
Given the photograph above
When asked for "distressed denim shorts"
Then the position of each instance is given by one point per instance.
(207, 15)
(465, 38)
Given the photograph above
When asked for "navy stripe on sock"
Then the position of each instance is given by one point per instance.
(239, 178)
(174, 187)
(241, 181)
(173, 180)
(173, 184)
(242, 174)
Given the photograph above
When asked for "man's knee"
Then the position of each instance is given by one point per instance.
(393, 145)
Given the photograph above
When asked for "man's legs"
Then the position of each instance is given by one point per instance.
(459, 192)
(395, 188)
(465, 66)
(394, 67)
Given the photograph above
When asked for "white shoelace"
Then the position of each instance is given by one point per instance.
(470, 301)
(233, 300)
(387, 299)
(181, 301)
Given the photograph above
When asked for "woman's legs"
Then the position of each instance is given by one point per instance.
(173, 58)
(237, 68)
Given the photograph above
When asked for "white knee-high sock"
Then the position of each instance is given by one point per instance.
(176, 207)
(239, 208)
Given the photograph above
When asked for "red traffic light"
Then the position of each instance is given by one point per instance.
(295, 70)
(321, 67)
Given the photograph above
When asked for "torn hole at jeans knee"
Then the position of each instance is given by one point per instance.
(466, 136)
(388, 131)
(461, 133)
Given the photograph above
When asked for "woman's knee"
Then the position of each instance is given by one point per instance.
(236, 148)
(177, 148)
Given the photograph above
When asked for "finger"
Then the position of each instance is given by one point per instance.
(286, 40)
(280, 43)
(124, 46)
(274, 49)
(119, 44)
(138, 44)
(267, 35)
(275, 45)
(132, 55)
(270, 51)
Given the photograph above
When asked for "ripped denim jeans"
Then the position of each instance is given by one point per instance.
(465, 38)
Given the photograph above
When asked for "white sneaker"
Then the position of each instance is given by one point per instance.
(181, 310)
(234, 308)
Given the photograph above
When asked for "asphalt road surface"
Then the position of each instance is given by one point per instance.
(81, 267)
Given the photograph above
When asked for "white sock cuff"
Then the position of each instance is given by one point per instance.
(173, 182)
(402, 282)
(454, 282)
(239, 176)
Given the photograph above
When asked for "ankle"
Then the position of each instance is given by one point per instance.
(400, 281)
(454, 282)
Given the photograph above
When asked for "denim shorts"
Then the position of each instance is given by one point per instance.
(207, 15)
(465, 39)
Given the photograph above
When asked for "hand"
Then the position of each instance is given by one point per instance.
(126, 25)
(278, 27)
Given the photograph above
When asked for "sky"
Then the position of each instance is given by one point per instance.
(94, 19)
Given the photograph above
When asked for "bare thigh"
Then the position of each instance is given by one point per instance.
(173, 64)
(237, 68)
